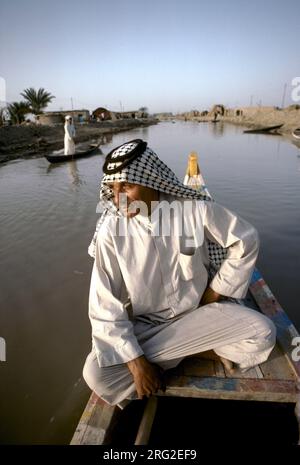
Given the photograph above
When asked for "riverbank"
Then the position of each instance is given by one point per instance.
(35, 140)
(258, 118)
(290, 118)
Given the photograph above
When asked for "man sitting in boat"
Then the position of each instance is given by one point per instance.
(69, 136)
(179, 280)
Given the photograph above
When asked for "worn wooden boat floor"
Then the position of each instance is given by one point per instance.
(276, 380)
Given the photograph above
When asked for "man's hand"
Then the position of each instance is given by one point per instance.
(210, 297)
(147, 377)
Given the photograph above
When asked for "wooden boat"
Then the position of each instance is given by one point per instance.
(275, 381)
(267, 129)
(296, 133)
(59, 157)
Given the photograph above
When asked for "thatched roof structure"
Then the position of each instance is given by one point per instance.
(102, 113)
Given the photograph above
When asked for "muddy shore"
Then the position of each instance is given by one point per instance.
(289, 118)
(31, 141)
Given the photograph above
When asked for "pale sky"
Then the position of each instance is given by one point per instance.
(168, 55)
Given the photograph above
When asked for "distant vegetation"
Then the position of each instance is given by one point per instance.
(17, 111)
(35, 102)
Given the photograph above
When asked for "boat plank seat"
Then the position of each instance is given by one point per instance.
(276, 380)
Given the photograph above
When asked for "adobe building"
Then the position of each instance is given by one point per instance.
(50, 118)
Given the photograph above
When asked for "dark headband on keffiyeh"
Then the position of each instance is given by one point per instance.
(134, 162)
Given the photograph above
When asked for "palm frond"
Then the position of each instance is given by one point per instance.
(17, 111)
(38, 100)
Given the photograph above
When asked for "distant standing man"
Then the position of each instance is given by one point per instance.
(69, 136)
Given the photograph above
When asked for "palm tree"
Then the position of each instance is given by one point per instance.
(17, 111)
(37, 100)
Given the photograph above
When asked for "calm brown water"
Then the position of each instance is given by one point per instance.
(47, 221)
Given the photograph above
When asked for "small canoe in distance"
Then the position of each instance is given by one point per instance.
(56, 157)
(296, 133)
(267, 129)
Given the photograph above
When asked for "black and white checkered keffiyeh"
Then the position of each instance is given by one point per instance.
(149, 171)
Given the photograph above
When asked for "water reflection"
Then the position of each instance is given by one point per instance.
(297, 143)
(145, 131)
(52, 166)
(70, 167)
(217, 129)
(106, 138)
(74, 173)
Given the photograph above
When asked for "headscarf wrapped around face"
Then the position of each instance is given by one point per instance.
(135, 163)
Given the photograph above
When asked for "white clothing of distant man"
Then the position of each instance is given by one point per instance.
(69, 144)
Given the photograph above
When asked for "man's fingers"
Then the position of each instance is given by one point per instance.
(145, 391)
(140, 390)
(150, 383)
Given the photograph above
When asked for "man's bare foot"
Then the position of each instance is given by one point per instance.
(228, 364)
(211, 355)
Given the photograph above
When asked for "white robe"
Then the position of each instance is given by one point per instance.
(165, 279)
(69, 138)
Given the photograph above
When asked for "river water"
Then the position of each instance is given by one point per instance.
(48, 214)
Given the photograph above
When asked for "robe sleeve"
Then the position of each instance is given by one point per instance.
(113, 336)
(241, 239)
